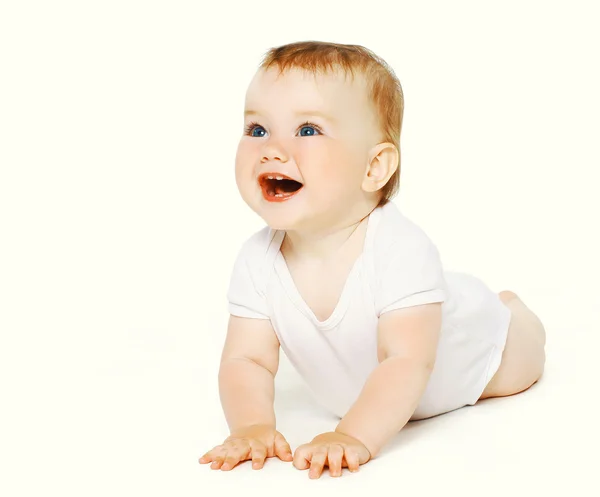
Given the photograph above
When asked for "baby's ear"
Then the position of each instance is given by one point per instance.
(384, 158)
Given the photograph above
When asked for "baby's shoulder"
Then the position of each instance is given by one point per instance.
(398, 233)
(258, 241)
(257, 249)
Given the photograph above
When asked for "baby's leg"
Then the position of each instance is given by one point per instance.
(524, 356)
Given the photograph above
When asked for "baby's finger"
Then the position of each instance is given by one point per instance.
(217, 462)
(235, 455)
(206, 458)
(335, 455)
(259, 454)
(317, 462)
(282, 448)
(209, 456)
(217, 455)
(302, 457)
(352, 460)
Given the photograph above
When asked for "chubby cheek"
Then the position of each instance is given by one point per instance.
(331, 172)
(244, 172)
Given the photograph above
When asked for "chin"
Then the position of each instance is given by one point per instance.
(277, 221)
(277, 215)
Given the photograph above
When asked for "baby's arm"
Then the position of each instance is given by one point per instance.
(246, 385)
(249, 363)
(407, 344)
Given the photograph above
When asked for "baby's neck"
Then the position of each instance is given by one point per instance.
(324, 245)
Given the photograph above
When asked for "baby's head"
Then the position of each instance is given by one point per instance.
(328, 117)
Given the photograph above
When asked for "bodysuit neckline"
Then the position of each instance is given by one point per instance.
(341, 307)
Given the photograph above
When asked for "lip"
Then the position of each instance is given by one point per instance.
(272, 199)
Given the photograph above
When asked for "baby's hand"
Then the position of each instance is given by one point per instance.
(255, 442)
(333, 449)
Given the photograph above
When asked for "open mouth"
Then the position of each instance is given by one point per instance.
(277, 187)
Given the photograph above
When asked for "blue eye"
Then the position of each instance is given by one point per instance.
(249, 130)
(309, 126)
(254, 129)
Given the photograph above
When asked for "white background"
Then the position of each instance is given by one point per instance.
(120, 221)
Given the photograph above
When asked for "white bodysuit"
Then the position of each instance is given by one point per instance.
(399, 267)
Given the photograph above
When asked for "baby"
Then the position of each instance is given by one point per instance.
(350, 288)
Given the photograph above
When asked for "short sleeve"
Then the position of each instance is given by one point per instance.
(246, 297)
(412, 275)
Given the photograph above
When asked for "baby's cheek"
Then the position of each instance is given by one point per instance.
(341, 174)
(246, 153)
(244, 168)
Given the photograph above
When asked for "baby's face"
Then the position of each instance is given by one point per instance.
(317, 132)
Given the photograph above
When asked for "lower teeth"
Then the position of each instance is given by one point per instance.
(271, 193)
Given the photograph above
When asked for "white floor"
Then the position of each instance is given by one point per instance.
(137, 425)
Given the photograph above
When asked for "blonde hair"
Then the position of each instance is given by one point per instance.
(385, 91)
